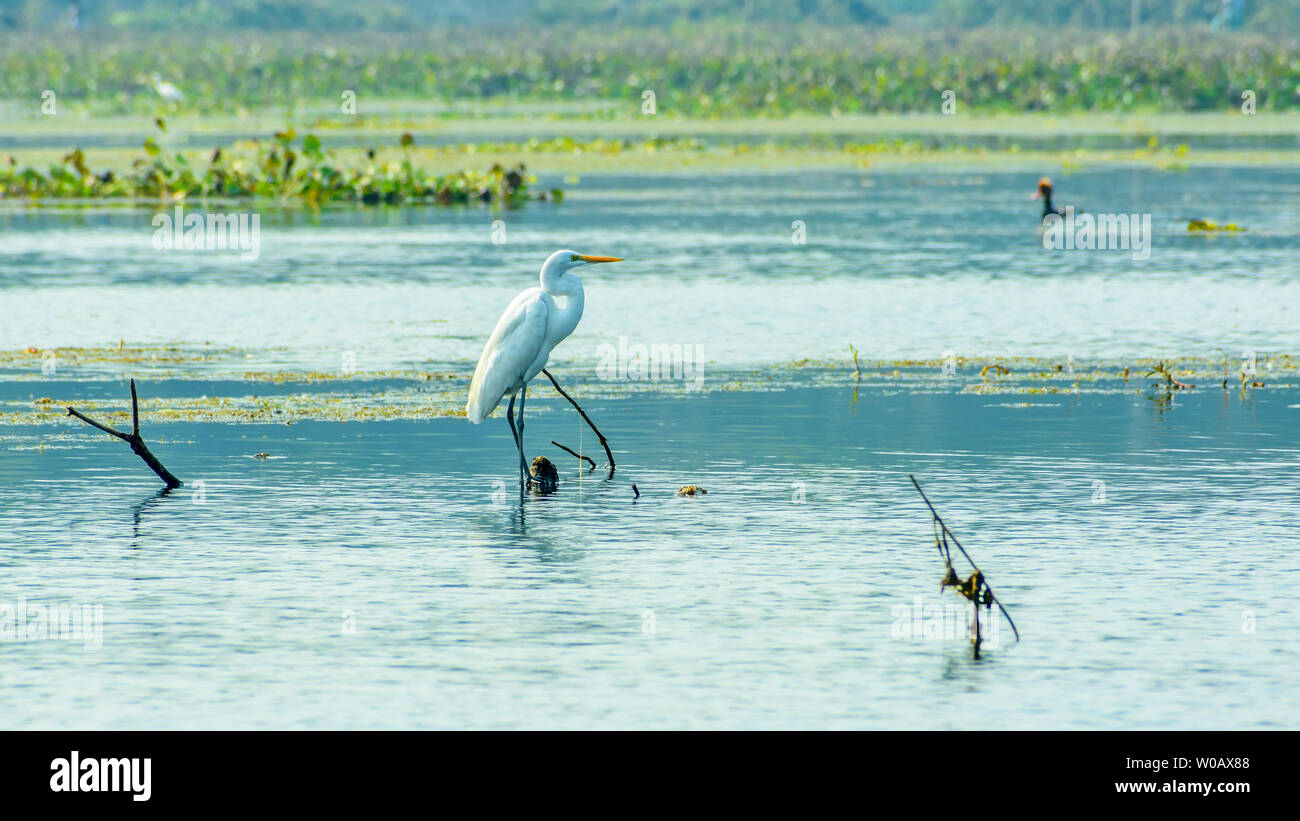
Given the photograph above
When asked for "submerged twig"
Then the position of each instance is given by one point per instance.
(976, 588)
(571, 452)
(603, 442)
(133, 439)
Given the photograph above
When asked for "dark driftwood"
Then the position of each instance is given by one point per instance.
(571, 452)
(586, 418)
(133, 439)
(636, 493)
(971, 589)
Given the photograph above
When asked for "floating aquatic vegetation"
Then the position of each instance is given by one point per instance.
(1168, 381)
(275, 395)
(1208, 225)
(285, 169)
(1162, 392)
(994, 368)
(1162, 156)
(572, 145)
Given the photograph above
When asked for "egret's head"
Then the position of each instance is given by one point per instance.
(562, 261)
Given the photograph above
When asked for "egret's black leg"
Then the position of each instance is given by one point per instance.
(510, 418)
(523, 460)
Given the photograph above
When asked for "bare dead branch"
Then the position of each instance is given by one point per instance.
(569, 451)
(603, 442)
(133, 439)
(971, 588)
(105, 428)
(135, 412)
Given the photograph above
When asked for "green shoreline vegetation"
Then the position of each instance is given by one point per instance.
(723, 96)
(299, 172)
(287, 169)
(735, 89)
(708, 70)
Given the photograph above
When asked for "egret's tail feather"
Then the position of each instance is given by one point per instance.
(481, 402)
(474, 414)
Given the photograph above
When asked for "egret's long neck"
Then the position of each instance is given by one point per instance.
(568, 288)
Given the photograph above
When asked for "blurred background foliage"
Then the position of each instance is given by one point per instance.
(1275, 16)
(706, 58)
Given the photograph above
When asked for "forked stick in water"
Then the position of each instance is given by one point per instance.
(133, 439)
(603, 442)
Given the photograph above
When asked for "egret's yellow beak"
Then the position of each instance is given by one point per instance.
(587, 258)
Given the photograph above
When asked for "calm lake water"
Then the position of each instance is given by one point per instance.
(386, 574)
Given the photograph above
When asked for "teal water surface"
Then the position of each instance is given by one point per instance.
(388, 575)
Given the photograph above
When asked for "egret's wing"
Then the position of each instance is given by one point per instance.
(514, 345)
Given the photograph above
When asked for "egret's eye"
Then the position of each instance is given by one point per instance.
(575, 258)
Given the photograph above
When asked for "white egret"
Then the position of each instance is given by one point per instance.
(166, 90)
(523, 339)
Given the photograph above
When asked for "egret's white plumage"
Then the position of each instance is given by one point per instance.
(532, 325)
(167, 91)
(518, 349)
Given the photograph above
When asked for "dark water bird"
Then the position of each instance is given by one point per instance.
(1044, 192)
